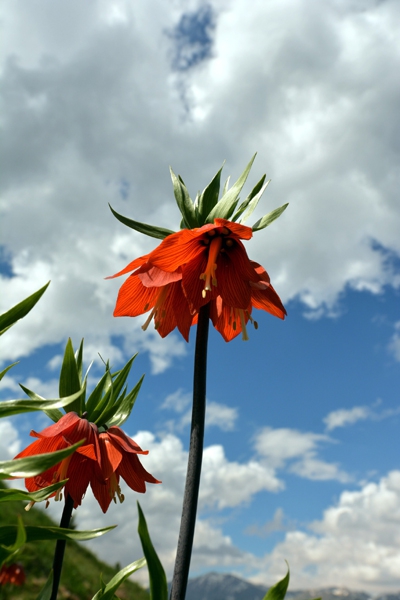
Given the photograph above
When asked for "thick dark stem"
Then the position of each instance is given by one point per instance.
(186, 533)
(60, 546)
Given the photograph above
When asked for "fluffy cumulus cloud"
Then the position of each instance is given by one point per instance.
(298, 452)
(9, 440)
(217, 415)
(355, 543)
(100, 98)
(225, 485)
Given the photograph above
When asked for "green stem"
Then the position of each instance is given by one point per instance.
(188, 520)
(60, 546)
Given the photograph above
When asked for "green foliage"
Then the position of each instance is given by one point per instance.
(227, 204)
(278, 591)
(107, 591)
(150, 230)
(157, 577)
(81, 568)
(208, 207)
(17, 312)
(33, 465)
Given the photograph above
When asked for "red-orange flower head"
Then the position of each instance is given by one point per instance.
(191, 268)
(13, 574)
(100, 461)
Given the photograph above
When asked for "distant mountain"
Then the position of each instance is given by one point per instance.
(222, 586)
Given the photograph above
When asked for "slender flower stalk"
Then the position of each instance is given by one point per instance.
(60, 546)
(186, 533)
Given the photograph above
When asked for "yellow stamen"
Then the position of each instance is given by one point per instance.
(154, 313)
(245, 337)
(209, 274)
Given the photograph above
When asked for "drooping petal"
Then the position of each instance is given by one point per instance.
(155, 277)
(134, 298)
(266, 298)
(138, 262)
(124, 442)
(135, 475)
(241, 231)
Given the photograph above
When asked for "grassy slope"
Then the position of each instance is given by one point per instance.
(80, 579)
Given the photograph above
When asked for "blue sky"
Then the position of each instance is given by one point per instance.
(301, 452)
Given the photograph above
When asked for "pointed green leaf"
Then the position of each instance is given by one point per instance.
(70, 381)
(79, 360)
(278, 591)
(157, 577)
(250, 204)
(106, 410)
(125, 407)
(53, 413)
(13, 495)
(16, 407)
(19, 311)
(151, 230)
(8, 552)
(34, 534)
(101, 389)
(226, 186)
(30, 466)
(184, 201)
(47, 590)
(226, 206)
(107, 593)
(209, 197)
(7, 369)
(267, 219)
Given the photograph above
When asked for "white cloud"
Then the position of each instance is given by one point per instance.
(78, 130)
(297, 451)
(394, 345)
(355, 544)
(9, 440)
(218, 415)
(346, 416)
(225, 484)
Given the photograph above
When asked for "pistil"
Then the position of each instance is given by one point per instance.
(209, 274)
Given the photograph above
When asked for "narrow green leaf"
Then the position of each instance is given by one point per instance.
(108, 592)
(47, 590)
(70, 381)
(209, 197)
(33, 465)
(226, 186)
(35, 534)
(7, 369)
(79, 360)
(22, 405)
(157, 577)
(267, 219)
(151, 230)
(8, 552)
(226, 206)
(250, 204)
(184, 201)
(125, 407)
(19, 311)
(118, 383)
(13, 495)
(101, 388)
(278, 591)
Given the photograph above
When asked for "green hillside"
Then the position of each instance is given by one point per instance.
(80, 579)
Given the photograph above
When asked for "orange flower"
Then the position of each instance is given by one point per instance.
(191, 268)
(119, 459)
(13, 574)
(88, 464)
